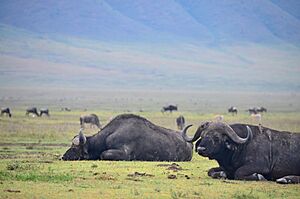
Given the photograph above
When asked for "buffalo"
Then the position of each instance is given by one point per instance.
(169, 108)
(180, 121)
(44, 111)
(32, 110)
(92, 119)
(233, 110)
(247, 152)
(6, 111)
(130, 137)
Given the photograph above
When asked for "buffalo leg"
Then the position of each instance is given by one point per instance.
(217, 172)
(289, 180)
(250, 172)
(114, 154)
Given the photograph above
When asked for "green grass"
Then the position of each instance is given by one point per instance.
(30, 167)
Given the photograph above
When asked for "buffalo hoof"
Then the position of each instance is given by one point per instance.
(218, 175)
(289, 180)
(283, 181)
(259, 177)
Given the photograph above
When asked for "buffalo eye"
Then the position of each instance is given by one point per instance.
(216, 139)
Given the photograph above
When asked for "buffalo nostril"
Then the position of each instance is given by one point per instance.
(200, 148)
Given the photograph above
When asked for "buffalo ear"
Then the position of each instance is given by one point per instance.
(75, 140)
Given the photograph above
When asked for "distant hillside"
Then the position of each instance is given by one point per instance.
(30, 59)
(214, 21)
(158, 44)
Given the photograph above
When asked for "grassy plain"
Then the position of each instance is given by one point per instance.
(30, 167)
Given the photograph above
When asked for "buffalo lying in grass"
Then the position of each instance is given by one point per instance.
(249, 152)
(130, 137)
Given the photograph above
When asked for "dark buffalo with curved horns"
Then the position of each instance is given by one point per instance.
(32, 110)
(6, 111)
(169, 108)
(247, 152)
(180, 121)
(92, 119)
(130, 137)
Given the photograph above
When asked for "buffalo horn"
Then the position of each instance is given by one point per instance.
(185, 136)
(82, 138)
(197, 134)
(232, 134)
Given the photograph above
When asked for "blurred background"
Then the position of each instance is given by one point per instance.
(197, 54)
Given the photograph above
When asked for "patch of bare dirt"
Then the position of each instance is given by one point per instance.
(138, 174)
(171, 176)
(12, 191)
(174, 167)
(103, 176)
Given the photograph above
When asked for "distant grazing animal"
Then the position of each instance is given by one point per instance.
(261, 109)
(169, 108)
(5, 111)
(247, 152)
(256, 110)
(66, 109)
(92, 119)
(44, 111)
(130, 137)
(219, 118)
(180, 121)
(252, 110)
(233, 110)
(32, 110)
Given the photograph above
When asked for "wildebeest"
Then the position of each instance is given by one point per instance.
(180, 121)
(233, 110)
(32, 110)
(261, 109)
(92, 119)
(130, 137)
(256, 110)
(247, 152)
(6, 111)
(44, 111)
(65, 109)
(252, 110)
(169, 108)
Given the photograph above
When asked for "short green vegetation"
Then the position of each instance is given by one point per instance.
(30, 149)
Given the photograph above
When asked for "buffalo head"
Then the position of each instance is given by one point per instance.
(78, 150)
(215, 137)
